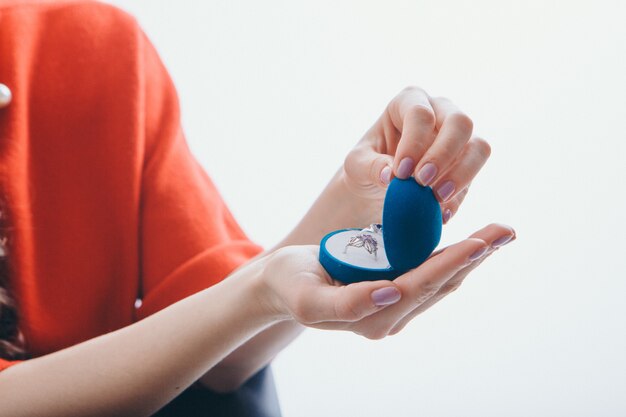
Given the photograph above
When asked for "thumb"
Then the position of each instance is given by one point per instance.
(351, 302)
(366, 167)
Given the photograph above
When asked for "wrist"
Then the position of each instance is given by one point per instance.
(261, 292)
(282, 278)
(254, 296)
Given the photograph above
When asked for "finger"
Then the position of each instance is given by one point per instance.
(344, 303)
(463, 171)
(423, 282)
(412, 113)
(452, 285)
(454, 131)
(420, 284)
(496, 236)
(366, 166)
(452, 206)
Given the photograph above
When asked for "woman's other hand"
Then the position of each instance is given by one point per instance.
(298, 288)
(429, 138)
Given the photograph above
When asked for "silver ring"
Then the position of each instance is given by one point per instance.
(364, 240)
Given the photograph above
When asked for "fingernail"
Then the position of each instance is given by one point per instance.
(385, 175)
(445, 190)
(406, 167)
(501, 241)
(447, 214)
(385, 296)
(427, 173)
(476, 255)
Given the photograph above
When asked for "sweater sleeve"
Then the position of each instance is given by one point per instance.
(4, 364)
(189, 240)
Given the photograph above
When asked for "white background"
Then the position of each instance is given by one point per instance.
(275, 93)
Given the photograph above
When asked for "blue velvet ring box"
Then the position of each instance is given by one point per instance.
(411, 230)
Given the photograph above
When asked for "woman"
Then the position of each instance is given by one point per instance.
(105, 205)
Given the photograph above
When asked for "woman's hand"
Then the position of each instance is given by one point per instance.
(436, 137)
(299, 288)
(427, 137)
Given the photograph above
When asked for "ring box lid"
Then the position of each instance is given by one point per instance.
(411, 222)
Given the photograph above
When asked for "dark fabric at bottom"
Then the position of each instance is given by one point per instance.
(256, 398)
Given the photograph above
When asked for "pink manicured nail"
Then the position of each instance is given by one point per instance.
(476, 255)
(385, 296)
(501, 241)
(447, 214)
(406, 167)
(385, 175)
(427, 173)
(445, 190)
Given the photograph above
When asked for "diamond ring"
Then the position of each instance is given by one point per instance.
(375, 228)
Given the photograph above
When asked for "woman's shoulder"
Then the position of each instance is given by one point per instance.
(66, 8)
(84, 20)
(78, 72)
(85, 47)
